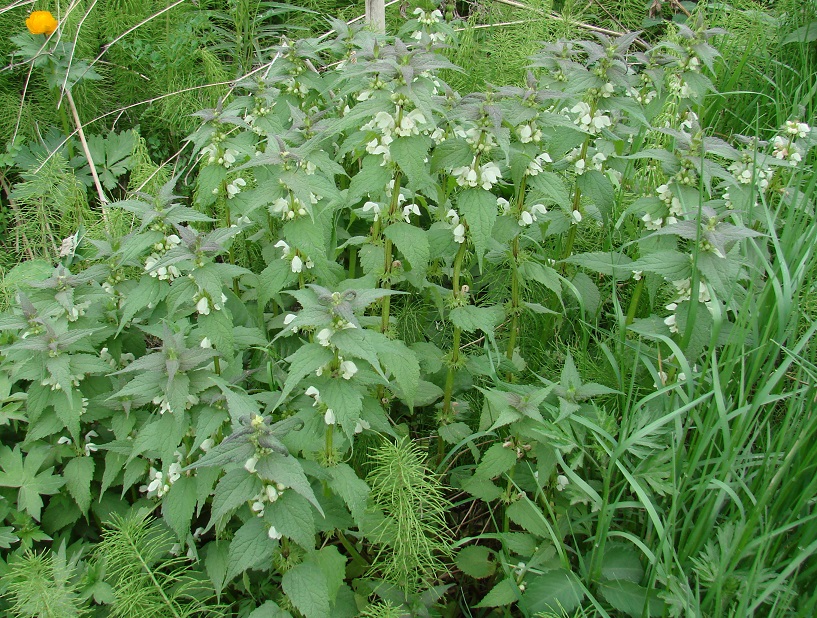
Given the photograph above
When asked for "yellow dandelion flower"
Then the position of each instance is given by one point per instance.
(41, 22)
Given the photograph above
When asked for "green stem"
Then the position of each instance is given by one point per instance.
(514, 303)
(631, 309)
(455, 343)
(356, 556)
(388, 254)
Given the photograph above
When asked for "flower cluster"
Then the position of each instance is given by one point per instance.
(684, 293)
(163, 273)
(297, 263)
(159, 482)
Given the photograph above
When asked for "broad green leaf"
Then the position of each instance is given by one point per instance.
(216, 562)
(599, 189)
(352, 490)
(179, 504)
(162, 436)
(306, 587)
(632, 599)
(275, 277)
(547, 276)
(269, 609)
(505, 592)
(346, 399)
(402, 363)
(611, 264)
(333, 565)
(17, 472)
(410, 154)
(673, 265)
(526, 514)
(471, 318)
(250, 548)
(78, 474)
(479, 209)
(371, 180)
(476, 561)
(235, 488)
(285, 469)
(551, 187)
(496, 460)
(306, 360)
(7, 537)
(412, 242)
(554, 591)
(621, 562)
(218, 328)
(292, 517)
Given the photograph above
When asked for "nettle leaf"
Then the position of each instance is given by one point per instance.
(476, 561)
(671, 264)
(479, 209)
(24, 474)
(161, 436)
(611, 264)
(472, 318)
(505, 592)
(277, 276)
(550, 188)
(547, 276)
(7, 537)
(306, 587)
(401, 361)
(412, 242)
(370, 180)
(306, 360)
(216, 563)
(621, 562)
(235, 488)
(496, 460)
(234, 449)
(250, 548)
(453, 152)
(346, 399)
(292, 517)
(217, 326)
(555, 591)
(352, 490)
(410, 153)
(148, 291)
(78, 474)
(526, 514)
(285, 469)
(179, 505)
(599, 189)
(632, 599)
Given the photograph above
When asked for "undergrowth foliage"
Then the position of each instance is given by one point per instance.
(234, 365)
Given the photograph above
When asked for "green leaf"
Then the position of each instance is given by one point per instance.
(352, 490)
(78, 474)
(478, 207)
(275, 277)
(269, 609)
(555, 592)
(525, 513)
(24, 475)
(250, 548)
(476, 561)
(550, 187)
(292, 517)
(673, 265)
(496, 461)
(410, 153)
(285, 469)
(179, 504)
(306, 587)
(234, 489)
(333, 565)
(216, 562)
(161, 436)
(453, 152)
(306, 360)
(632, 599)
(540, 273)
(346, 399)
(218, 328)
(148, 290)
(611, 264)
(7, 537)
(505, 592)
(599, 189)
(472, 318)
(621, 562)
(371, 180)
(412, 242)
(402, 363)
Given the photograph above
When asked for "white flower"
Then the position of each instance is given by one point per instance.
(361, 425)
(561, 482)
(329, 416)
(410, 209)
(206, 445)
(313, 392)
(273, 534)
(348, 369)
(504, 206)
(64, 440)
(323, 336)
(249, 465)
(174, 472)
(580, 165)
(234, 188)
(203, 306)
(525, 219)
(577, 216)
(525, 133)
(459, 234)
(374, 207)
(282, 245)
(206, 343)
(466, 176)
(489, 174)
(297, 264)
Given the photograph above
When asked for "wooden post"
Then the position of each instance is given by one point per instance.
(376, 15)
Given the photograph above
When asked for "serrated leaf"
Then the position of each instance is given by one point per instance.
(78, 474)
(496, 460)
(525, 513)
(250, 548)
(285, 469)
(306, 360)
(305, 586)
(234, 489)
(275, 277)
(505, 592)
(599, 189)
(218, 328)
(216, 562)
(269, 609)
(547, 276)
(632, 599)
(611, 264)
(471, 318)
(550, 186)
(292, 517)
(621, 562)
(410, 153)
(412, 242)
(476, 561)
(402, 363)
(333, 565)
(479, 209)
(352, 490)
(7, 537)
(346, 399)
(179, 504)
(370, 180)
(673, 265)
(555, 591)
